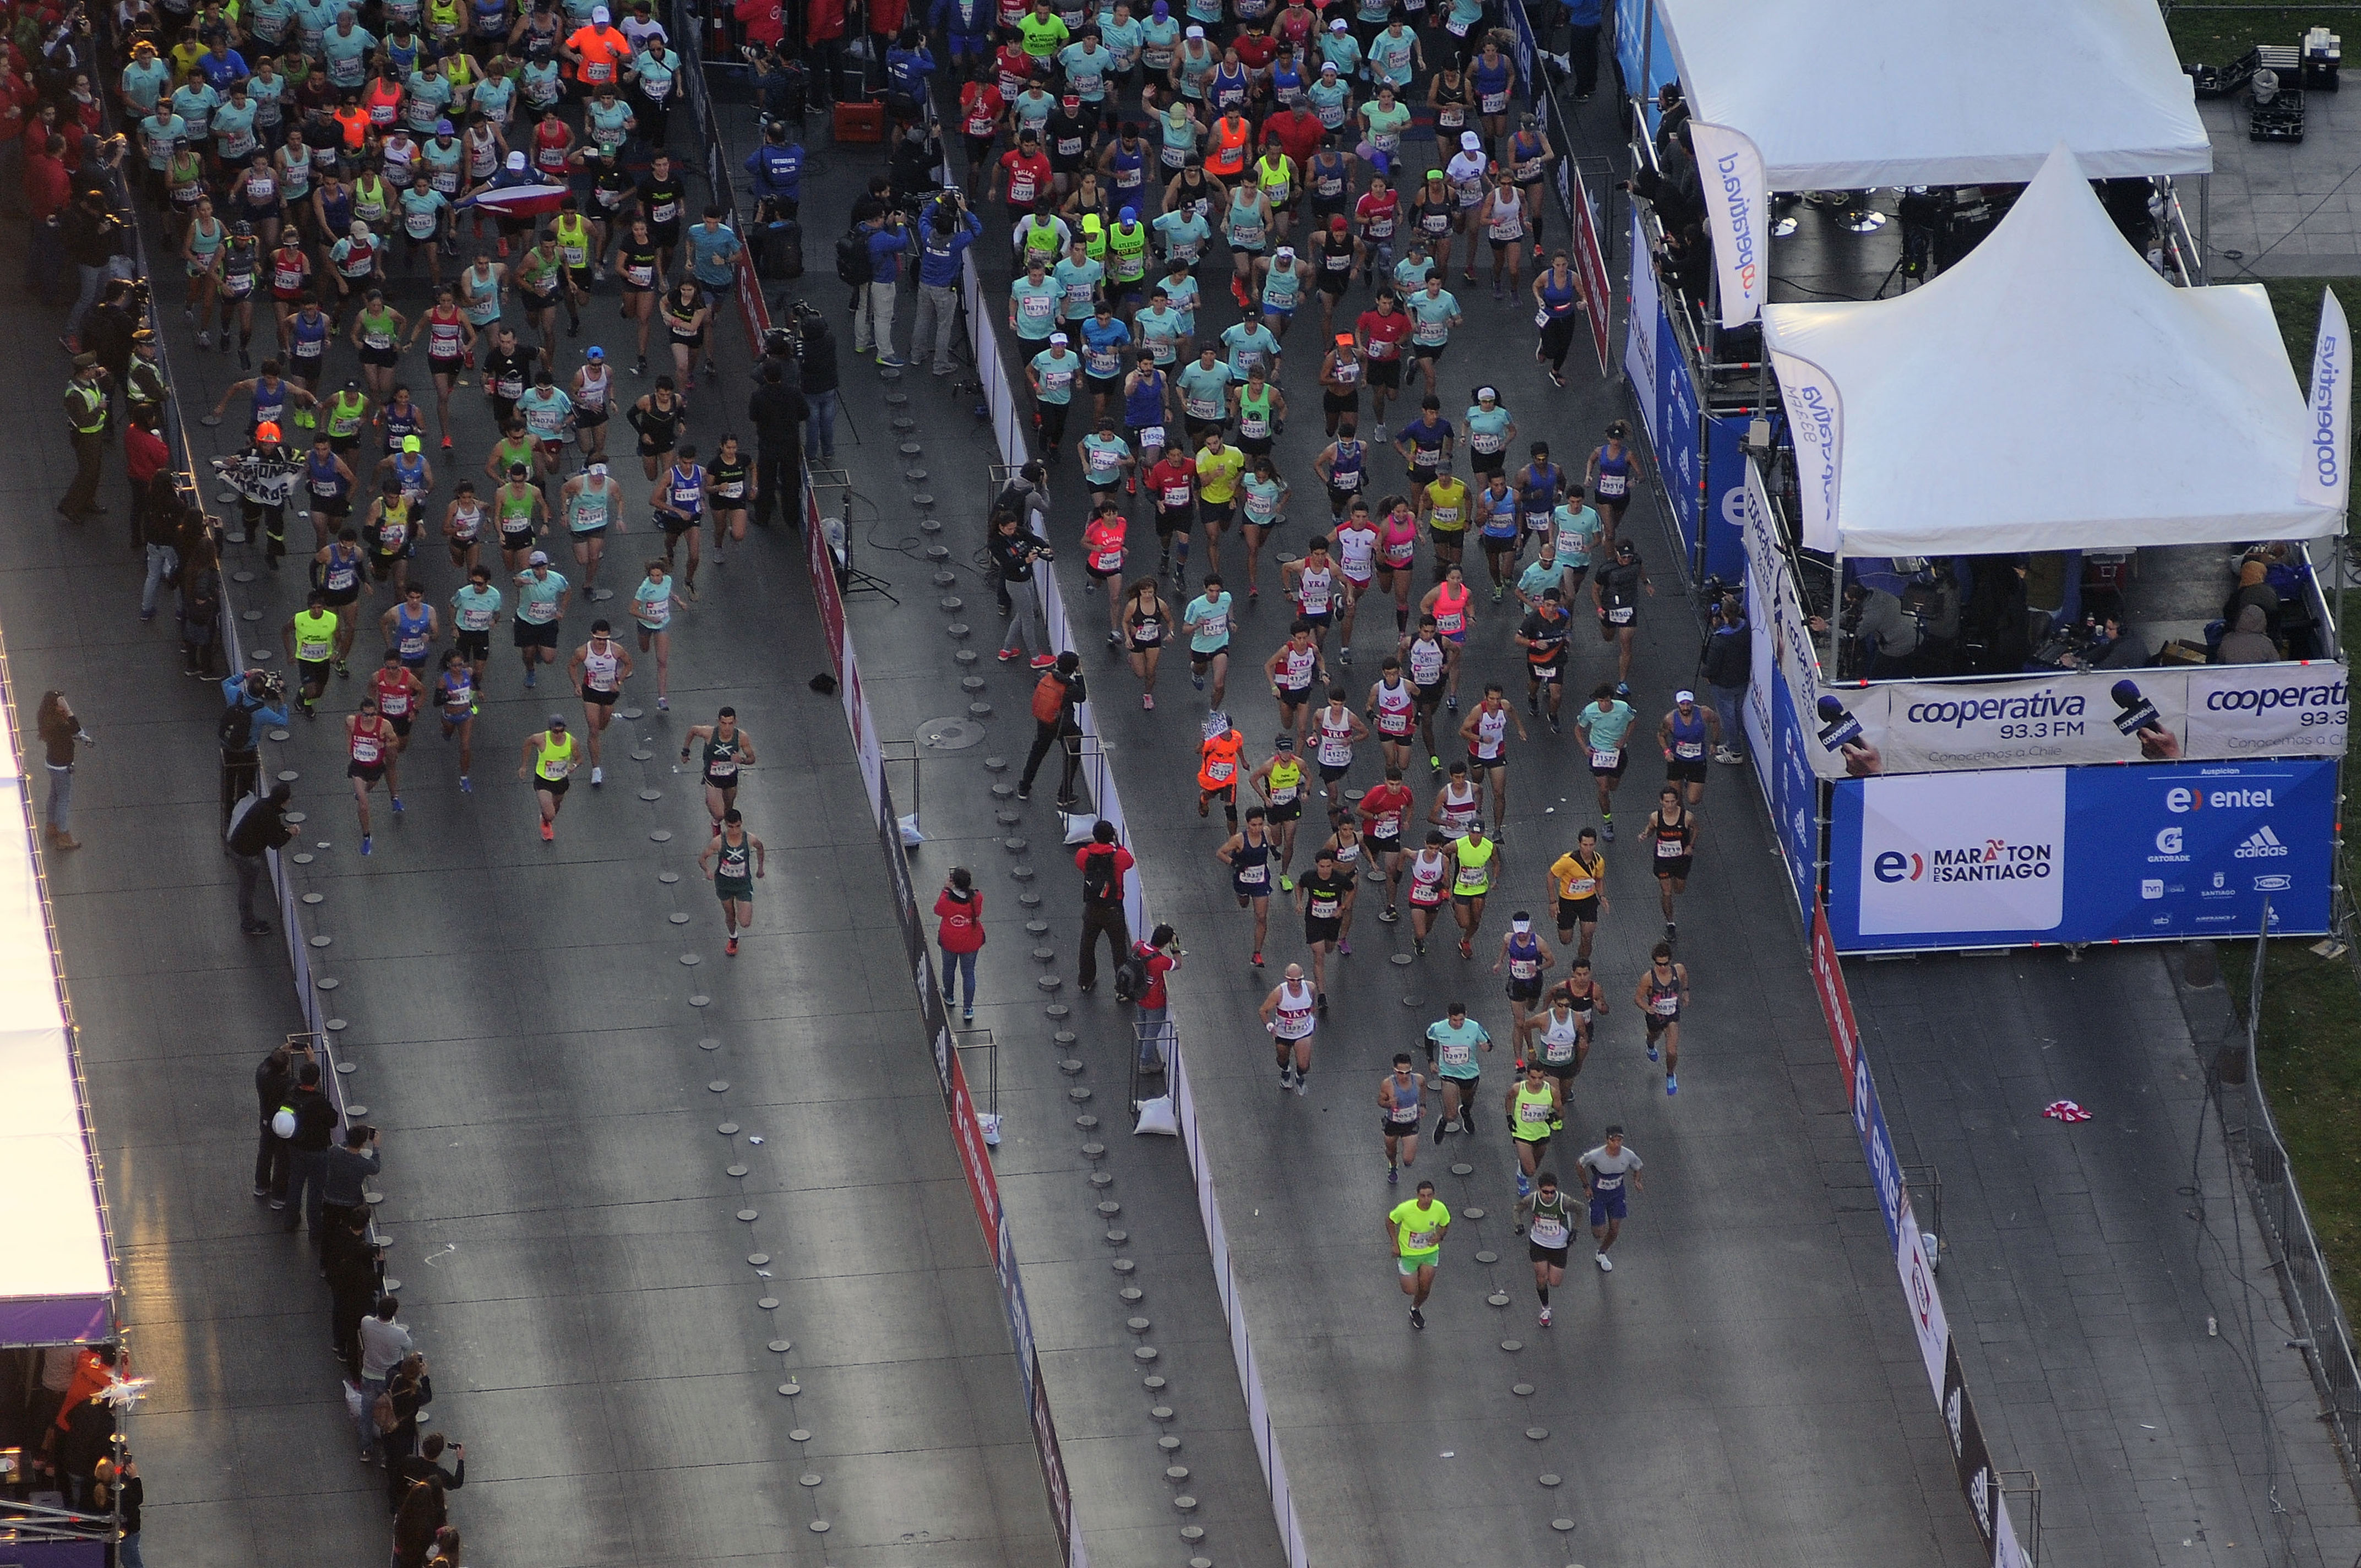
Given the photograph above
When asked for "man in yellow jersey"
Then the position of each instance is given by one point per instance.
(1532, 1104)
(549, 758)
(1578, 886)
(1443, 508)
(1218, 468)
(309, 637)
(1043, 31)
(1417, 1228)
(1475, 859)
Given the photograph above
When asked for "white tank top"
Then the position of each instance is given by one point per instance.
(1296, 673)
(593, 393)
(1491, 732)
(1313, 589)
(1335, 737)
(1558, 1038)
(599, 669)
(1356, 551)
(1459, 810)
(1393, 708)
(1296, 1017)
(1425, 662)
(1427, 868)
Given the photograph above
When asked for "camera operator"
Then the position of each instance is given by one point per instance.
(780, 353)
(778, 166)
(259, 826)
(818, 358)
(1885, 633)
(781, 81)
(1729, 662)
(251, 700)
(915, 167)
(948, 229)
(777, 412)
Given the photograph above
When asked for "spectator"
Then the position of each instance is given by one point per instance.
(949, 229)
(348, 1169)
(411, 1391)
(2253, 589)
(1055, 697)
(60, 733)
(1158, 956)
(1104, 863)
(88, 231)
(445, 1553)
(420, 1519)
(274, 1081)
(1583, 20)
(426, 1465)
(1013, 556)
(199, 610)
(257, 827)
(820, 385)
(315, 1129)
(1728, 663)
(257, 698)
(130, 1497)
(960, 909)
(47, 188)
(145, 458)
(107, 333)
(355, 1280)
(777, 412)
(1027, 496)
(2249, 643)
(384, 1343)
(886, 238)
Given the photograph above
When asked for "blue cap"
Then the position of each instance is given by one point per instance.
(442, 127)
(1128, 215)
(594, 353)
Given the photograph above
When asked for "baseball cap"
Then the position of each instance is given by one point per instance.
(1685, 696)
(1285, 742)
(412, 444)
(1059, 338)
(1431, 175)
(1286, 253)
(442, 127)
(266, 432)
(1195, 32)
(516, 161)
(1338, 26)
(600, 469)
(538, 558)
(1128, 215)
(558, 721)
(598, 13)
(1336, 224)
(1470, 140)
(594, 353)
(1344, 339)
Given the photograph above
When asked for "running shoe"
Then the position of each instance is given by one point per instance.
(397, 806)
(732, 949)
(1672, 1084)
(1607, 827)
(1008, 653)
(1344, 947)
(1652, 1052)
(1466, 948)
(1553, 724)
(1147, 699)
(1286, 882)
(1286, 1076)
(1043, 661)
(1557, 376)
(549, 833)
(344, 671)
(1498, 589)
(598, 777)
(1534, 703)
(365, 843)
(245, 360)
(1344, 655)
(1434, 763)
(528, 680)
(1114, 641)
(1417, 1319)
(1670, 933)
(1452, 702)
(1418, 946)
(1198, 682)
(1393, 1174)
(891, 362)
(1302, 1085)
(1545, 1317)
(1323, 1001)
(446, 443)
(1389, 914)
(204, 340)
(1256, 960)
(1524, 1186)
(466, 787)
(1606, 1263)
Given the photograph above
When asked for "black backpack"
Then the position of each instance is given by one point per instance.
(1131, 976)
(236, 728)
(852, 259)
(1100, 877)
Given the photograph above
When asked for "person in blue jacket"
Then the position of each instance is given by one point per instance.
(778, 166)
(969, 23)
(946, 229)
(872, 311)
(908, 64)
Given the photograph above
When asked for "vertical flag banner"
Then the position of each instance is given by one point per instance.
(1737, 205)
(2328, 477)
(1815, 418)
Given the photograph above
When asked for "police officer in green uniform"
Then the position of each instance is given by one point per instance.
(143, 382)
(85, 410)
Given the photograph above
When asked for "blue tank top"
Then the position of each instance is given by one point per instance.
(342, 572)
(1345, 470)
(688, 490)
(1525, 950)
(311, 337)
(1555, 299)
(270, 403)
(1127, 167)
(1143, 404)
(1491, 79)
(1614, 475)
(337, 212)
(1687, 734)
(1286, 82)
(398, 424)
(411, 472)
(1230, 90)
(1500, 512)
(1540, 490)
(1250, 868)
(321, 474)
(409, 635)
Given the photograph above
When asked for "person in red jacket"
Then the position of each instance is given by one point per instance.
(1158, 956)
(959, 907)
(1104, 864)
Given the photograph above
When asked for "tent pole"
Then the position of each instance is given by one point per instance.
(2205, 226)
(1836, 612)
(1642, 91)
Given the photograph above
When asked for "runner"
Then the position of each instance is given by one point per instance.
(1322, 896)
(1279, 781)
(727, 861)
(1292, 671)
(591, 504)
(1428, 869)
(593, 397)
(542, 598)
(463, 525)
(1172, 485)
(1383, 811)
(1673, 828)
(1603, 1172)
(411, 630)
(1601, 727)
(1578, 887)
(1458, 803)
(1146, 620)
(1549, 1230)
(1311, 583)
(1684, 735)
(1417, 1228)
(1343, 466)
(1533, 1106)
(391, 530)
(1217, 766)
(368, 740)
(1565, 1035)
(1292, 1013)
(1247, 854)
(1608, 479)
(475, 610)
(1487, 734)
(1206, 618)
(1357, 542)
(652, 611)
(1443, 503)
(1103, 555)
(1499, 530)
(1472, 879)
(1401, 1095)
(549, 757)
(728, 752)
(1527, 958)
(679, 499)
(599, 669)
(456, 701)
(1543, 634)
(661, 417)
(1452, 1048)
(1336, 728)
(1662, 992)
(1615, 591)
(310, 636)
(523, 512)
(1396, 555)
(1262, 503)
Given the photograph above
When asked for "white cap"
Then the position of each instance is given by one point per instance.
(516, 161)
(598, 14)
(1286, 253)
(1520, 927)
(598, 469)
(1057, 337)
(1338, 26)
(1685, 696)
(1195, 32)
(538, 558)
(1470, 140)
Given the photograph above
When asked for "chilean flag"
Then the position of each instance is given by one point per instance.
(526, 201)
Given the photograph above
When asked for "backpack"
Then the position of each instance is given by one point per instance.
(236, 728)
(1100, 877)
(1049, 699)
(1131, 976)
(852, 264)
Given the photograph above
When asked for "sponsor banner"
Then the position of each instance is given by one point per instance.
(1675, 434)
(2080, 718)
(1795, 798)
(1919, 1292)
(2082, 854)
(1836, 1000)
(1816, 422)
(1632, 28)
(1053, 1472)
(1640, 326)
(2328, 477)
(1725, 496)
(1877, 1148)
(1977, 1482)
(1589, 256)
(1737, 206)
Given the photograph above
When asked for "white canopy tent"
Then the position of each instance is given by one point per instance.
(2049, 393)
(1845, 94)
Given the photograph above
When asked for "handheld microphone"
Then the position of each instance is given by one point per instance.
(1838, 727)
(2138, 713)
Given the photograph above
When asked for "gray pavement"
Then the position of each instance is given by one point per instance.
(2279, 209)
(561, 1203)
(1742, 1388)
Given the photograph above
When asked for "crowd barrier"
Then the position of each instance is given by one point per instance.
(1978, 1482)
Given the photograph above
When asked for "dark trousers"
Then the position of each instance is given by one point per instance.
(241, 775)
(346, 1310)
(1582, 53)
(270, 1162)
(1097, 918)
(779, 482)
(306, 1182)
(250, 870)
(1046, 735)
(90, 461)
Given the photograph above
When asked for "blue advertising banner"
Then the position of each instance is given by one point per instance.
(1631, 23)
(1795, 801)
(1725, 511)
(1675, 434)
(2080, 854)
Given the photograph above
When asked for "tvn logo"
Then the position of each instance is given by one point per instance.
(2262, 844)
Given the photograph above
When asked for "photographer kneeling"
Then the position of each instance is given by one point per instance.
(252, 700)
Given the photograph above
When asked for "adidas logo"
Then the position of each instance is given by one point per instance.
(2262, 844)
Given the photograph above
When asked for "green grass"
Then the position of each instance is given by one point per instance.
(2217, 36)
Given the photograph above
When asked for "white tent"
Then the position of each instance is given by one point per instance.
(2050, 392)
(1844, 94)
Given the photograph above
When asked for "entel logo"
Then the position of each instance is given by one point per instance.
(2168, 842)
(1893, 865)
(2186, 800)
